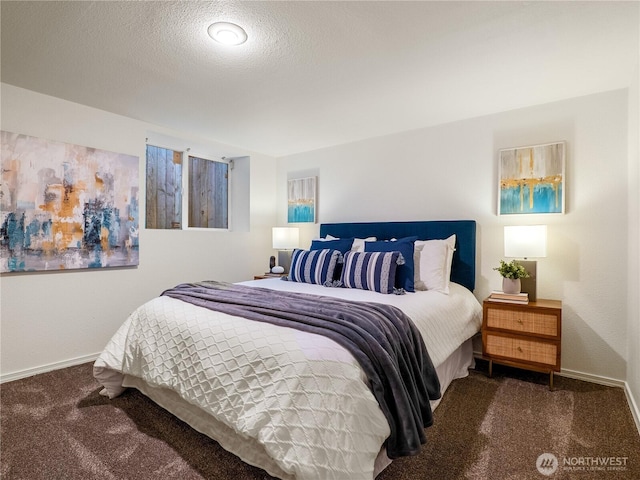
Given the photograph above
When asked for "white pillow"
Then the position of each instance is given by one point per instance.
(432, 259)
(358, 243)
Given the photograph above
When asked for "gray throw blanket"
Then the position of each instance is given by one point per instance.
(383, 340)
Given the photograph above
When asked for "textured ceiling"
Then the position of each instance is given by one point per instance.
(315, 73)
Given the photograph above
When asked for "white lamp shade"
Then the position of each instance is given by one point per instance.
(525, 241)
(285, 238)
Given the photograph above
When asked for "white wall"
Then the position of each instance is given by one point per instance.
(48, 318)
(449, 172)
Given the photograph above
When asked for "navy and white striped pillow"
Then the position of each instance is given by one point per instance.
(370, 270)
(315, 266)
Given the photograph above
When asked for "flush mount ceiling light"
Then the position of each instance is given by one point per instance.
(227, 33)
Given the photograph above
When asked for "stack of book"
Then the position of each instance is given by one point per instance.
(498, 296)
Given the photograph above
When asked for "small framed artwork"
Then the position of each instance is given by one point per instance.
(301, 198)
(532, 179)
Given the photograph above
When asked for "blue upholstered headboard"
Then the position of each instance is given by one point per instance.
(463, 268)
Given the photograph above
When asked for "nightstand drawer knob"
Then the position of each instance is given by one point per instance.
(520, 321)
(520, 349)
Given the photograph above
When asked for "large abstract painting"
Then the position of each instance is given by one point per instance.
(66, 206)
(532, 179)
(301, 199)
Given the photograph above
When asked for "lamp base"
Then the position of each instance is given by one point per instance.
(284, 259)
(528, 285)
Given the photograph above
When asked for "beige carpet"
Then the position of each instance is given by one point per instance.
(56, 426)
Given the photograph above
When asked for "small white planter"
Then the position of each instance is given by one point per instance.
(511, 285)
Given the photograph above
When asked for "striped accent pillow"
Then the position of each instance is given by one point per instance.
(313, 266)
(370, 270)
(405, 273)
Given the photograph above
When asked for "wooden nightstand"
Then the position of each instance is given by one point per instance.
(268, 275)
(524, 336)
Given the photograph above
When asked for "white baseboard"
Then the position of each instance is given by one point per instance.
(635, 411)
(29, 372)
(588, 377)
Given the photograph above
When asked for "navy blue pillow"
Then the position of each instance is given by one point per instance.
(404, 273)
(370, 271)
(343, 245)
(315, 266)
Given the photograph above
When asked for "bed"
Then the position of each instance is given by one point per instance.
(294, 402)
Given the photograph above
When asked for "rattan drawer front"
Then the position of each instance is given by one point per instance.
(522, 349)
(521, 321)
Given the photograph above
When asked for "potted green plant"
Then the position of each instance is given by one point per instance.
(511, 273)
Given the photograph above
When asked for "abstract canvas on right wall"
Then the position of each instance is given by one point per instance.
(532, 179)
(301, 200)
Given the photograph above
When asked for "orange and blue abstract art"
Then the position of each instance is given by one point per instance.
(532, 179)
(66, 206)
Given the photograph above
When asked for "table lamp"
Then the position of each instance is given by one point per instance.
(525, 242)
(285, 239)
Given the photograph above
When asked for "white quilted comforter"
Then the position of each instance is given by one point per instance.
(298, 400)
